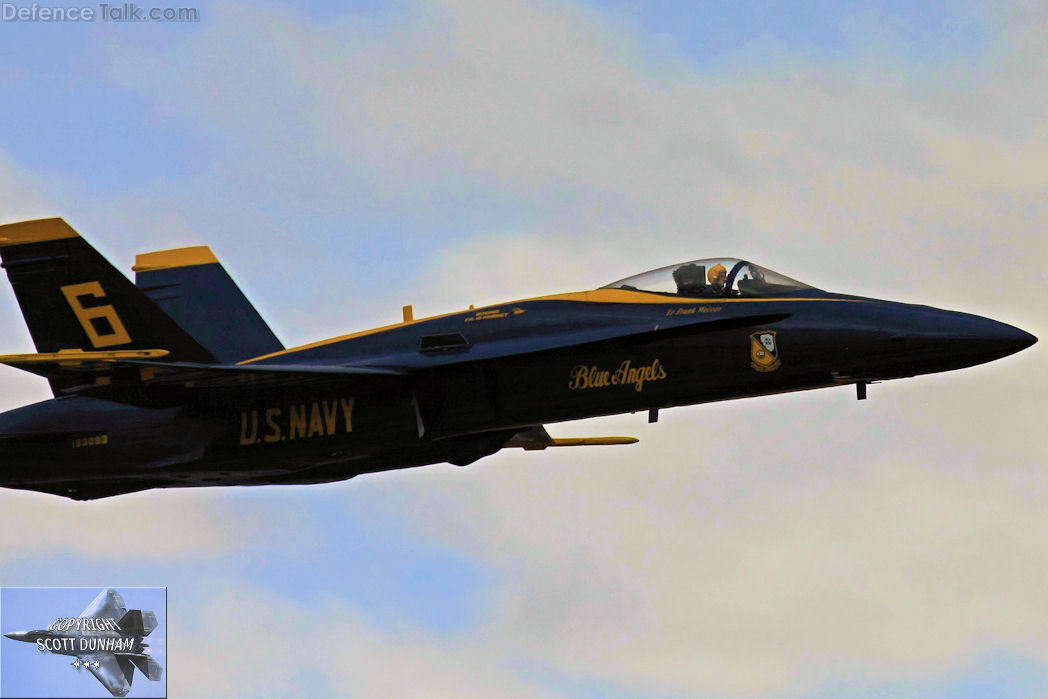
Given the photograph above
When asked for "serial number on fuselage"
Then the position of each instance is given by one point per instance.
(322, 418)
(96, 440)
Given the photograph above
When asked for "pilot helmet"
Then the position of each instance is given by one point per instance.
(715, 271)
(688, 274)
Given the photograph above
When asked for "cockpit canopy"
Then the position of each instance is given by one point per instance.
(712, 277)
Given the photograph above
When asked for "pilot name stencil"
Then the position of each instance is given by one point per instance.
(692, 310)
(493, 314)
(323, 418)
(585, 377)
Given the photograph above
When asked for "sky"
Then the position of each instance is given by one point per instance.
(345, 159)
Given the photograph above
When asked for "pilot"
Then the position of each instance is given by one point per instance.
(689, 280)
(717, 275)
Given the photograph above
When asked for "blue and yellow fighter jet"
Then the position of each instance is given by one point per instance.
(177, 381)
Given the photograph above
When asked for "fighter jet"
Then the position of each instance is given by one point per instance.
(177, 381)
(105, 639)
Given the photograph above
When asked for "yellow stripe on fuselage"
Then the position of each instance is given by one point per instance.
(623, 296)
(36, 231)
(629, 296)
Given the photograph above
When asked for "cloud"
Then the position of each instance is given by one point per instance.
(248, 643)
(760, 547)
(819, 170)
(138, 528)
(541, 130)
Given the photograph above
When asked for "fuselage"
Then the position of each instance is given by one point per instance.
(477, 377)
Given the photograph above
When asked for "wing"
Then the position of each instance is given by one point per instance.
(108, 604)
(114, 675)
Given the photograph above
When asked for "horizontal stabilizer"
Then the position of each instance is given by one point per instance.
(128, 668)
(148, 666)
(73, 357)
(137, 623)
(537, 439)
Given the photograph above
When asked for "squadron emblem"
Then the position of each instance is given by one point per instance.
(764, 351)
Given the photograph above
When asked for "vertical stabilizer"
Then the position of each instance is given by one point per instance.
(72, 298)
(194, 289)
(137, 623)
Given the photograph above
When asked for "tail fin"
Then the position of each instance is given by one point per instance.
(72, 298)
(137, 623)
(192, 287)
(149, 667)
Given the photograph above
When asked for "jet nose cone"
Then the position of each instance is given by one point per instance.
(954, 340)
(994, 340)
(1023, 340)
(17, 635)
(925, 340)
